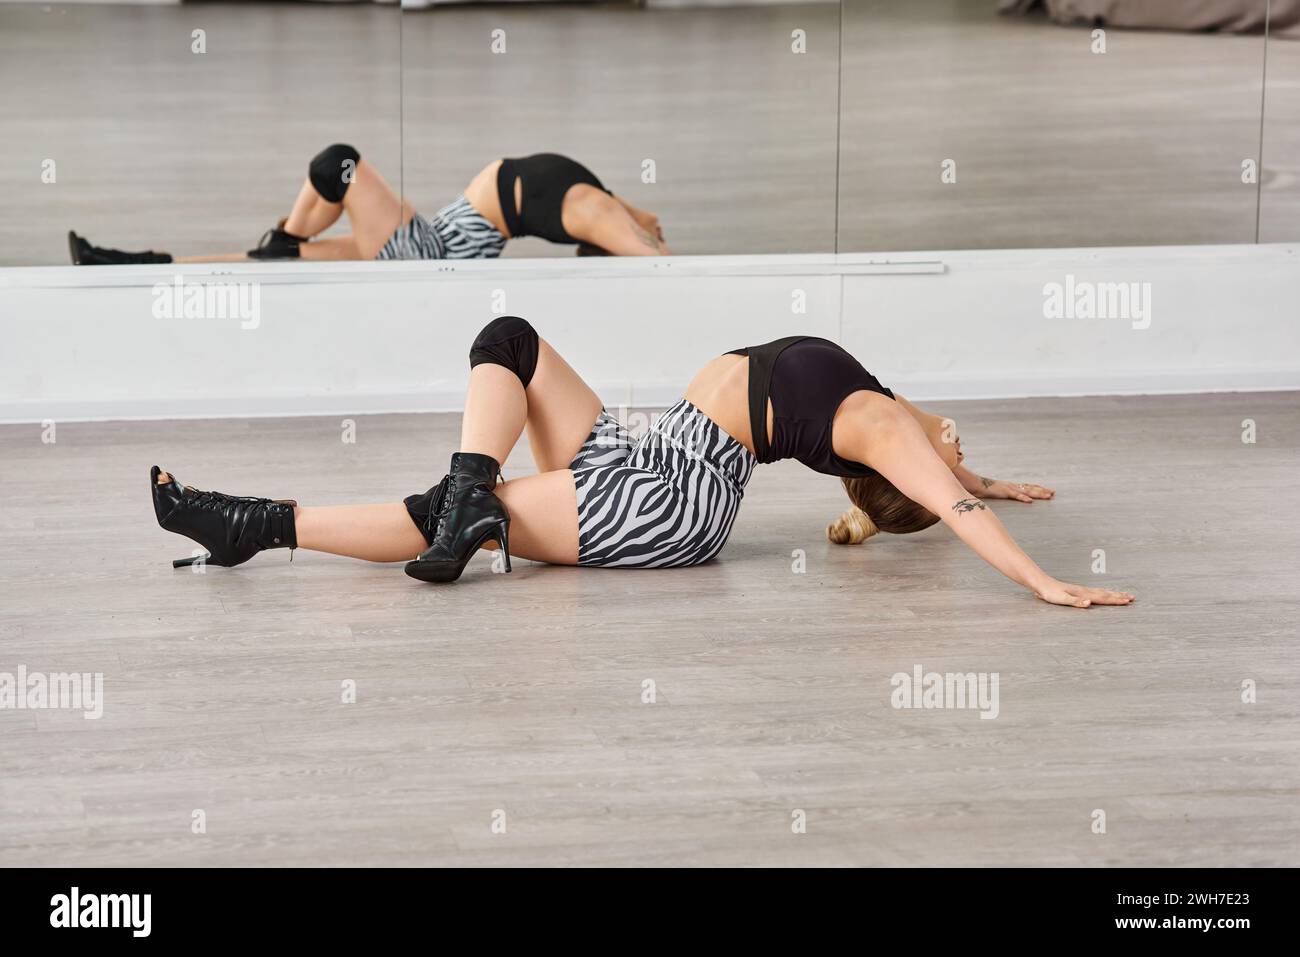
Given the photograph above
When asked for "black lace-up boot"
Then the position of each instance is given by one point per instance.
(466, 514)
(277, 244)
(231, 528)
(84, 253)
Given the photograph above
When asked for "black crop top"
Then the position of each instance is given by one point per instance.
(806, 378)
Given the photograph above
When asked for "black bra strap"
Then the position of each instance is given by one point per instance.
(760, 381)
(506, 176)
(762, 360)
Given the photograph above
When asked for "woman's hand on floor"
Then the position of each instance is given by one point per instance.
(1016, 491)
(1079, 596)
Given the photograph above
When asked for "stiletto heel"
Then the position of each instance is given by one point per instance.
(192, 560)
(503, 539)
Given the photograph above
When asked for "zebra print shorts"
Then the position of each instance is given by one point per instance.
(457, 231)
(666, 500)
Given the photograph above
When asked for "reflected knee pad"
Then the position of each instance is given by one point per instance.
(332, 169)
(510, 342)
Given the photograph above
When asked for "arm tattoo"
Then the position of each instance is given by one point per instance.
(968, 505)
(986, 482)
(646, 238)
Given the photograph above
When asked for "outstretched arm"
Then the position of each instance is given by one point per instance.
(892, 443)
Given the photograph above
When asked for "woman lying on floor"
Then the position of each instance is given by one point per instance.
(668, 499)
(544, 195)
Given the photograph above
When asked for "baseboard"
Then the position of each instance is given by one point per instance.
(621, 397)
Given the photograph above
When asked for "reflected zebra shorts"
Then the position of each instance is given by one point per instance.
(457, 231)
(666, 500)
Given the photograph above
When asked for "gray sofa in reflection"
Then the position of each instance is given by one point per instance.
(1228, 16)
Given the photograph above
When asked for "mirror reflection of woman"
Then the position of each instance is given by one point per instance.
(668, 499)
(545, 195)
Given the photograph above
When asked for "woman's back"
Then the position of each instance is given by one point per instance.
(721, 391)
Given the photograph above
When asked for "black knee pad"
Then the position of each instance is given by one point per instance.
(510, 342)
(332, 169)
(423, 509)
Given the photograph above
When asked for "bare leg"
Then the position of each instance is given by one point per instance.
(312, 213)
(543, 513)
(543, 524)
(373, 533)
(558, 408)
(561, 410)
(213, 258)
(333, 247)
(373, 209)
(496, 411)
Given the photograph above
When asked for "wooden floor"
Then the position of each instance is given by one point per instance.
(523, 694)
(1055, 146)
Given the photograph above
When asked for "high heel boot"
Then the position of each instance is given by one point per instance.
(85, 253)
(466, 514)
(231, 528)
(277, 243)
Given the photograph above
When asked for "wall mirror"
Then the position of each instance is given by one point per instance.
(715, 127)
(718, 119)
(183, 128)
(971, 124)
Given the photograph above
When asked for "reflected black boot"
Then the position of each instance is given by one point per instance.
(84, 253)
(466, 514)
(231, 528)
(277, 244)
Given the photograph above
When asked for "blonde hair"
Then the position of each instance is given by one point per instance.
(851, 528)
(877, 507)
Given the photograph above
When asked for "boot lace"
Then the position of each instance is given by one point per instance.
(219, 501)
(267, 238)
(273, 515)
(441, 507)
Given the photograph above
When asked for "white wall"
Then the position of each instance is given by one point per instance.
(367, 337)
(1223, 318)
